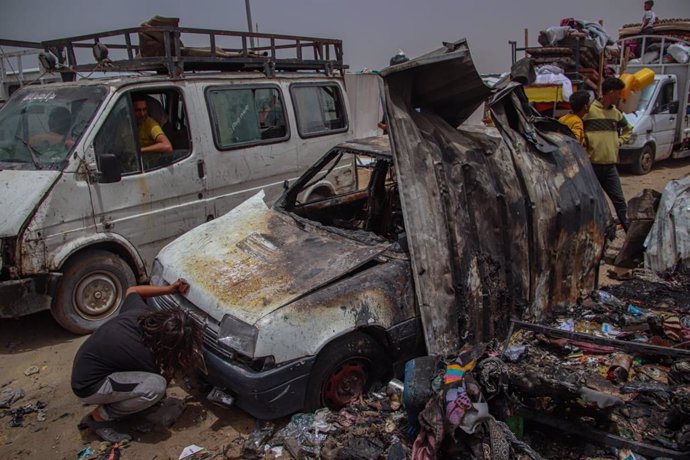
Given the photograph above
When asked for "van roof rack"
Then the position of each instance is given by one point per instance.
(160, 49)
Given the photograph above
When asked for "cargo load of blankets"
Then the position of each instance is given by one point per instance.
(572, 51)
(570, 54)
(606, 378)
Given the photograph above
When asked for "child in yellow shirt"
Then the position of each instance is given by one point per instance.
(579, 106)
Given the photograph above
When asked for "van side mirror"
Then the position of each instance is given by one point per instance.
(673, 107)
(110, 167)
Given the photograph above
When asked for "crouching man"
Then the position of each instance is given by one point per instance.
(126, 364)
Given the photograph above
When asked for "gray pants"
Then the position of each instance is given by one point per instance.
(126, 393)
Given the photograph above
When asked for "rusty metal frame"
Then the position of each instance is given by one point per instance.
(633, 347)
(327, 52)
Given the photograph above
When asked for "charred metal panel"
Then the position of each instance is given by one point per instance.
(254, 260)
(501, 223)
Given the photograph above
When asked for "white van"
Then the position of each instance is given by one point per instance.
(84, 211)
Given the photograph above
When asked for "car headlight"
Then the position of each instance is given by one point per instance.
(238, 335)
(157, 273)
(633, 139)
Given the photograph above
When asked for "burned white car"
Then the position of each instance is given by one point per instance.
(433, 241)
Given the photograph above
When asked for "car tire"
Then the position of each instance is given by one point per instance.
(344, 370)
(643, 161)
(91, 290)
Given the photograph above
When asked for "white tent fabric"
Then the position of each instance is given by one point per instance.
(668, 241)
(364, 96)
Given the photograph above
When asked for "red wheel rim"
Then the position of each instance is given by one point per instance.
(345, 384)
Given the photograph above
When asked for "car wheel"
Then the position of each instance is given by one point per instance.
(644, 161)
(91, 290)
(343, 371)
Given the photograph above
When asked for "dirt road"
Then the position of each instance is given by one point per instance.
(38, 341)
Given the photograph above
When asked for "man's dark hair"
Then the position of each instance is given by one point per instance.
(650, 2)
(136, 97)
(175, 339)
(579, 100)
(612, 84)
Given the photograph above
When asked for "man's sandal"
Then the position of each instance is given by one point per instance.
(104, 430)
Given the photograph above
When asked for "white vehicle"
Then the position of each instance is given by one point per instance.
(84, 211)
(660, 124)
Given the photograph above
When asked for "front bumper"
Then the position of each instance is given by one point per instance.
(27, 295)
(265, 395)
(628, 155)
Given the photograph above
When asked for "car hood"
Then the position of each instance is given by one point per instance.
(253, 260)
(20, 194)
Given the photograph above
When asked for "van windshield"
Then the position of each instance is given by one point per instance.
(39, 126)
(646, 95)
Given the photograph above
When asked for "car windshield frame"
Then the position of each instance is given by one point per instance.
(41, 125)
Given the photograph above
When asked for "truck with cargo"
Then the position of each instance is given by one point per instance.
(660, 119)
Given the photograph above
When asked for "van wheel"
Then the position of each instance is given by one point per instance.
(91, 290)
(644, 161)
(343, 371)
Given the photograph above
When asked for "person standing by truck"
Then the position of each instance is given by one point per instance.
(606, 129)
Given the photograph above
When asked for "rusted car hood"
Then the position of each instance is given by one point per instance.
(20, 194)
(254, 260)
(504, 222)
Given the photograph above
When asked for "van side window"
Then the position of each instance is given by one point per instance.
(129, 130)
(319, 109)
(166, 107)
(117, 136)
(246, 116)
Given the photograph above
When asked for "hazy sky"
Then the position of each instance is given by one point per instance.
(371, 30)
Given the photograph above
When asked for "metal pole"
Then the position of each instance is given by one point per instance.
(249, 21)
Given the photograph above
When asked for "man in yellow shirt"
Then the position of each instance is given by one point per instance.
(151, 136)
(606, 129)
(579, 106)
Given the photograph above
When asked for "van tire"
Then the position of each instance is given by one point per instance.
(344, 369)
(91, 290)
(643, 161)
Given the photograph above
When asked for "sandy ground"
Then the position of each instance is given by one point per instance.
(38, 341)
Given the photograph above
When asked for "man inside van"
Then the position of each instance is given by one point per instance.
(151, 136)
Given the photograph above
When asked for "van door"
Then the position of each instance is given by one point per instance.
(664, 122)
(254, 148)
(161, 194)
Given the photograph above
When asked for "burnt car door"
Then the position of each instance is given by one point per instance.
(503, 222)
